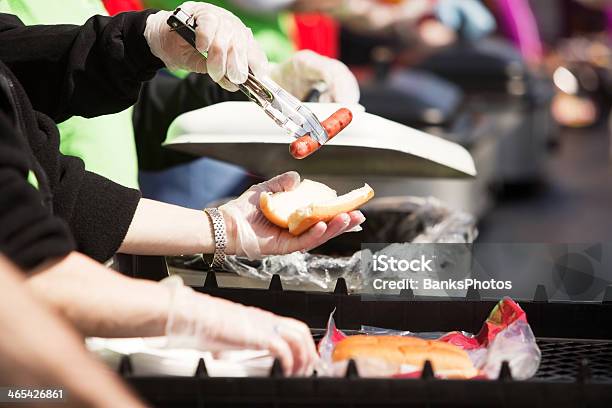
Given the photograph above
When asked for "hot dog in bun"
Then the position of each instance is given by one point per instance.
(447, 360)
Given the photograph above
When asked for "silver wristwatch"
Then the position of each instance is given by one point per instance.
(218, 223)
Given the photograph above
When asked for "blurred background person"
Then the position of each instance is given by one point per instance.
(518, 23)
(576, 37)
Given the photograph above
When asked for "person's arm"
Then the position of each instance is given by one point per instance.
(64, 70)
(101, 302)
(164, 229)
(161, 101)
(38, 349)
(166, 97)
(87, 70)
(97, 210)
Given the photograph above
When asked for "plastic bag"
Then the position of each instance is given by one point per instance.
(395, 220)
(405, 219)
(297, 268)
(515, 344)
(453, 226)
(504, 336)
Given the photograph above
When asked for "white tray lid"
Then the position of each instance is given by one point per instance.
(240, 133)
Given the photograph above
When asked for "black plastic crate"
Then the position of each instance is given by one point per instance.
(419, 314)
(563, 380)
(358, 392)
(575, 339)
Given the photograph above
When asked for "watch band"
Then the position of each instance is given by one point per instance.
(218, 224)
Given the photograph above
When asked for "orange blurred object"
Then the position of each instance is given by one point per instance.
(573, 111)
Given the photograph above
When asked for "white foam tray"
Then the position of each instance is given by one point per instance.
(148, 357)
(240, 133)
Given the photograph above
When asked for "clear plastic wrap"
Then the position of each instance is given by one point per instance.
(452, 227)
(504, 336)
(297, 268)
(395, 220)
(517, 345)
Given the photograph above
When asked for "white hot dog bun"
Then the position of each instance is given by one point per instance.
(447, 360)
(309, 203)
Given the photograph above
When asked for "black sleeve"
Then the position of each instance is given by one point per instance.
(98, 211)
(29, 233)
(87, 70)
(161, 101)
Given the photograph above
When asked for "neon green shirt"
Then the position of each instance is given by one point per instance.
(106, 143)
(270, 30)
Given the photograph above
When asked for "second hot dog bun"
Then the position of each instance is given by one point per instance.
(309, 203)
(447, 360)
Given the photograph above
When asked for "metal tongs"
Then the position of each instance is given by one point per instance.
(286, 110)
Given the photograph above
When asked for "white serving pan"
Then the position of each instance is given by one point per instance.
(240, 133)
(148, 357)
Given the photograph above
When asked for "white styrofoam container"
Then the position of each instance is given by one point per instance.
(149, 357)
(240, 133)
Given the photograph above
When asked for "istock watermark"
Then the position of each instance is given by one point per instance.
(384, 263)
(382, 284)
(423, 269)
(557, 272)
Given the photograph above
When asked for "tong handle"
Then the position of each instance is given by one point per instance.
(252, 88)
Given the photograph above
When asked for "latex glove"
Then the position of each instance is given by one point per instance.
(230, 45)
(250, 233)
(207, 323)
(470, 16)
(305, 69)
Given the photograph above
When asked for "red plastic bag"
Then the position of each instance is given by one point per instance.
(504, 336)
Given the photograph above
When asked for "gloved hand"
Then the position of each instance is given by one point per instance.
(230, 45)
(250, 234)
(471, 16)
(305, 69)
(207, 323)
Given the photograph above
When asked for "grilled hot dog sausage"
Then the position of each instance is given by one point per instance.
(306, 145)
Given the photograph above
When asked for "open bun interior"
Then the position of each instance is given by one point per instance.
(310, 203)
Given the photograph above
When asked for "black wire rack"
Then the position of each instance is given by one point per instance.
(575, 340)
(566, 360)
